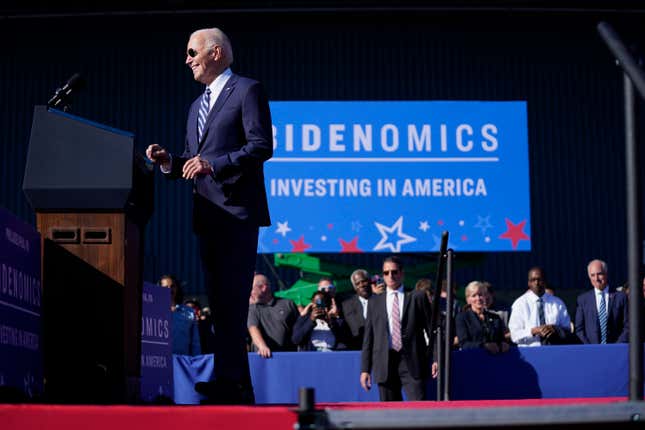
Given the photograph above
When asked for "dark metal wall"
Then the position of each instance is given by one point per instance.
(556, 62)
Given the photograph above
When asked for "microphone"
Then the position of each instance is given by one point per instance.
(62, 93)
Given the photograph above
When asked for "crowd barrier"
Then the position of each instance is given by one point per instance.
(569, 371)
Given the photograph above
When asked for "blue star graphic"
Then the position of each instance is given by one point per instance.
(483, 223)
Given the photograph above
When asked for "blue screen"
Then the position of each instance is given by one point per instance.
(391, 176)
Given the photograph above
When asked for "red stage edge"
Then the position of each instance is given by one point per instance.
(590, 413)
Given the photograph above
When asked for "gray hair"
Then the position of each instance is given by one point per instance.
(359, 272)
(216, 37)
(603, 265)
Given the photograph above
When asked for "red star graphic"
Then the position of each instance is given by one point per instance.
(275, 241)
(464, 238)
(351, 246)
(330, 226)
(299, 245)
(440, 222)
(514, 232)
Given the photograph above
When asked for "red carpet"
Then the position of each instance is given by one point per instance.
(55, 417)
(50, 417)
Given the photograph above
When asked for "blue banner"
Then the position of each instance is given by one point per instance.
(156, 343)
(392, 176)
(21, 364)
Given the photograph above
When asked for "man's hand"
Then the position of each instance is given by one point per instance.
(306, 309)
(491, 347)
(435, 370)
(264, 351)
(378, 288)
(546, 331)
(333, 311)
(196, 166)
(318, 313)
(366, 381)
(157, 154)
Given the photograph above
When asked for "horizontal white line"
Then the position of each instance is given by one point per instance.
(384, 160)
(27, 311)
(155, 343)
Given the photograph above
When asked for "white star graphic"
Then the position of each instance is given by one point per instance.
(483, 223)
(283, 228)
(356, 226)
(323, 238)
(424, 226)
(384, 243)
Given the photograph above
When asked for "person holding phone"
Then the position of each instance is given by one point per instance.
(319, 327)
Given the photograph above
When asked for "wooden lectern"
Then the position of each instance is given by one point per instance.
(92, 196)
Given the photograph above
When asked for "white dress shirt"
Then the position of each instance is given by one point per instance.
(363, 302)
(216, 88)
(524, 316)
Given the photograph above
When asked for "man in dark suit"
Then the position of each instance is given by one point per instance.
(228, 138)
(602, 313)
(354, 307)
(394, 346)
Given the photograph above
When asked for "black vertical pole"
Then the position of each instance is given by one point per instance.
(448, 332)
(439, 357)
(435, 323)
(634, 257)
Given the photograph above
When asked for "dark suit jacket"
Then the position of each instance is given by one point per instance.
(587, 325)
(473, 333)
(236, 141)
(415, 319)
(353, 313)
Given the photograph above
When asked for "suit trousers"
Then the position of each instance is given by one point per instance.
(228, 251)
(399, 377)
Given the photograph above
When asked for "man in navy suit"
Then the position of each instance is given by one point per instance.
(590, 326)
(395, 354)
(228, 138)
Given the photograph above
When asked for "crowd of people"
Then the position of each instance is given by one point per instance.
(391, 326)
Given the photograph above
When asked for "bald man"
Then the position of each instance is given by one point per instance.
(602, 313)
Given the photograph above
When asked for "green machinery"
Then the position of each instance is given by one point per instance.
(313, 268)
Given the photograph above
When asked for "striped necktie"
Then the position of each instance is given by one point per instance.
(203, 113)
(602, 319)
(396, 323)
(540, 306)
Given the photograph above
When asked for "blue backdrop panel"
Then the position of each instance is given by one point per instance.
(21, 363)
(156, 347)
(569, 371)
(334, 376)
(390, 176)
(549, 372)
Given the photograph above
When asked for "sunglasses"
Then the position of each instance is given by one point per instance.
(390, 272)
(191, 53)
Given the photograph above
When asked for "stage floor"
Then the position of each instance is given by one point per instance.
(331, 415)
